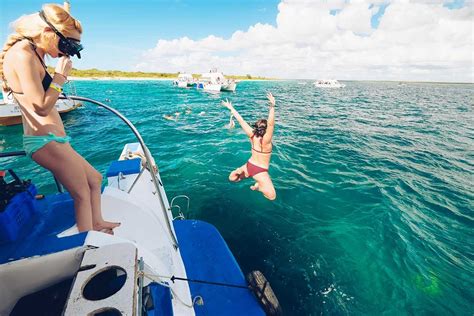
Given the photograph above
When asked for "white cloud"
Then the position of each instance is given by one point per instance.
(415, 40)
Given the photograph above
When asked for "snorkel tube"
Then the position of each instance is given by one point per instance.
(67, 6)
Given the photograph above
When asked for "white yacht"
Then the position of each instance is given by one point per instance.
(215, 81)
(328, 83)
(10, 111)
(230, 85)
(185, 80)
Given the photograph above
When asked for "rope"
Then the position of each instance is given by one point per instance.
(155, 277)
(173, 278)
(152, 277)
(209, 282)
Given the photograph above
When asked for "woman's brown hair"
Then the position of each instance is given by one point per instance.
(260, 127)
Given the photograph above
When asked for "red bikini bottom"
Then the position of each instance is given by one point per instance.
(252, 170)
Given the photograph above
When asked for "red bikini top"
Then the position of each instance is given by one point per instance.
(261, 145)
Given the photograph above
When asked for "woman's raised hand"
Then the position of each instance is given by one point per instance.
(64, 66)
(271, 99)
(227, 104)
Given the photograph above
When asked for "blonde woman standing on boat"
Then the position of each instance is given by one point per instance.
(54, 32)
(260, 137)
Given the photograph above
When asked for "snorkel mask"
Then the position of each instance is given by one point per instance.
(66, 45)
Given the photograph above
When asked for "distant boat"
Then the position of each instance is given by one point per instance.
(230, 85)
(185, 80)
(215, 81)
(328, 83)
(10, 113)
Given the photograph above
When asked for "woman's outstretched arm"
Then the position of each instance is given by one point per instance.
(246, 127)
(271, 119)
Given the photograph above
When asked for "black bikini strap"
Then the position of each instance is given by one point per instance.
(11, 92)
(33, 46)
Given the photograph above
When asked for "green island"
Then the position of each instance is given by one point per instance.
(97, 73)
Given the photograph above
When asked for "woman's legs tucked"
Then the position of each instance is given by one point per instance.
(238, 174)
(264, 184)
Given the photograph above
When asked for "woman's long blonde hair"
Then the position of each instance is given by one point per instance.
(32, 26)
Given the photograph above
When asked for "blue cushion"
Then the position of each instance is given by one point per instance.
(161, 296)
(124, 166)
(18, 215)
(54, 214)
(40, 246)
(207, 257)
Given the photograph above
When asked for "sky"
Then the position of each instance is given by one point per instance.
(418, 40)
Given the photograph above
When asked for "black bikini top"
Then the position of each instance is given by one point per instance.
(47, 77)
(261, 146)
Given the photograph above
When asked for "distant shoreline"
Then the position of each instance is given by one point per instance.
(145, 79)
(97, 74)
(403, 81)
(118, 78)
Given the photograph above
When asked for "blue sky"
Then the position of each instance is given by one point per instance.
(116, 32)
(422, 40)
(455, 4)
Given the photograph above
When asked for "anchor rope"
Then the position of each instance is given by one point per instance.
(153, 278)
(173, 278)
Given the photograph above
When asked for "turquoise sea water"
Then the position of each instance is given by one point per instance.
(375, 206)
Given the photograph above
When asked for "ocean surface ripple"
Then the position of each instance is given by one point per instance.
(375, 182)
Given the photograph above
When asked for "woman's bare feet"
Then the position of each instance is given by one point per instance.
(254, 187)
(105, 225)
(107, 231)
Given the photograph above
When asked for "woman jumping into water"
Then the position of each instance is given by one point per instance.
(261, 141)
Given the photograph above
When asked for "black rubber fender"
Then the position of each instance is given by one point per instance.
(264, 293)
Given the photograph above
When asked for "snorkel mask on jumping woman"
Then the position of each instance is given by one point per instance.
(66, 45)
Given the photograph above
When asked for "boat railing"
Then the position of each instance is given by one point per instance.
(180, 213)
(156, 182)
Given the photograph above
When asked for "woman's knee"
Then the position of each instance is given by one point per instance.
(269, 194)
(80, 194)
(234, 177)
(95, 180)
